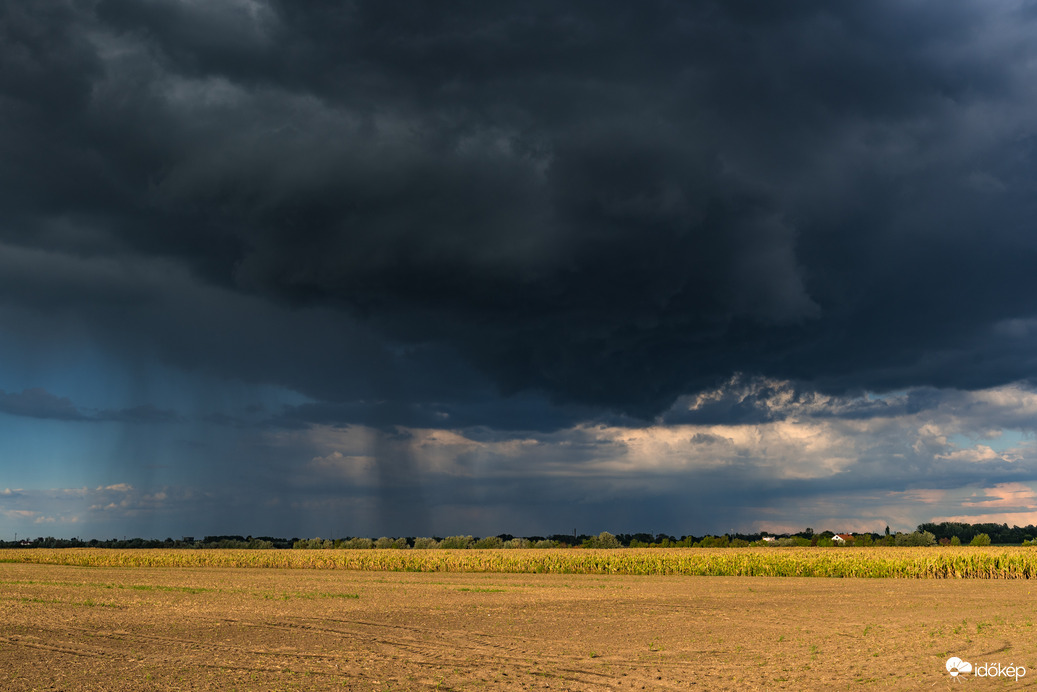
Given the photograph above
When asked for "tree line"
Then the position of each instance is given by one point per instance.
(944, 533)
(998, 533)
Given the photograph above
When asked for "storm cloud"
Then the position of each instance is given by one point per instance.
(516, 218)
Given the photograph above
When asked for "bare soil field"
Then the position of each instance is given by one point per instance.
(92, 628)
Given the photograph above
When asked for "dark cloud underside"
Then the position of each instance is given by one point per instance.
(611, 205)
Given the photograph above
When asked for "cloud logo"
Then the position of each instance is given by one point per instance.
(955, 666)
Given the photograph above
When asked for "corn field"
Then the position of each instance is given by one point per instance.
(901, 563)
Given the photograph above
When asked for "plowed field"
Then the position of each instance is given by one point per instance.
(90, 628)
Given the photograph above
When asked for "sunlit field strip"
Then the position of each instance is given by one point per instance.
(910, 563)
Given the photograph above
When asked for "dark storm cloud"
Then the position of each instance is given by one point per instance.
(604, 204)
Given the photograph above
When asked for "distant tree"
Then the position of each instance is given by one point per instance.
(955, 540)
(602, 540)
(714, 542)
(642, 539)
(980, 539)
(791, 542)
(915, 538)
(456, 542)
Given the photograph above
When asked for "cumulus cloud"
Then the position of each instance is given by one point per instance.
(799, 465)
(1005, 503)
(798, 460)
(115, 505)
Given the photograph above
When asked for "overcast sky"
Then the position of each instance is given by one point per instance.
(368, 268)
